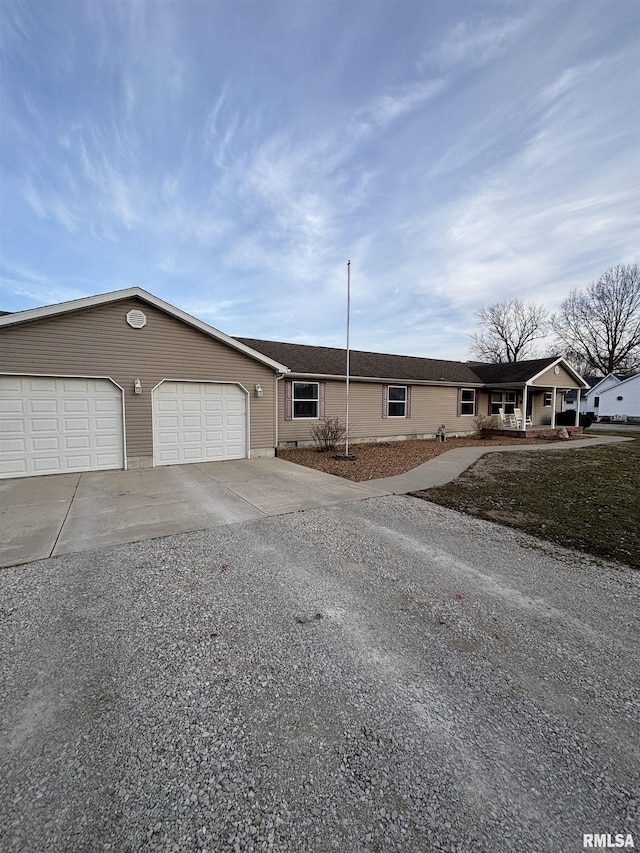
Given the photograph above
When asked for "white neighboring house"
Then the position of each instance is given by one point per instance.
(621, 401)
(569, 398)
(591, 402)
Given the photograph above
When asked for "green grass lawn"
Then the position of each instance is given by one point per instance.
(586, 499)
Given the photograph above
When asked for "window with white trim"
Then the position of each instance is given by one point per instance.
(467, 401)
(505, 400)
(548, 398)
(305, 399)
(397, 401)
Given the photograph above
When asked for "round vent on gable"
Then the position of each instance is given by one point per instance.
(136, 319)
(556, 369)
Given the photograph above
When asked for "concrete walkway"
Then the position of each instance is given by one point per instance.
(452, 463)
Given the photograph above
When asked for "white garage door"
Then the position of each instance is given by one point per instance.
(198, 422)
(53, 424)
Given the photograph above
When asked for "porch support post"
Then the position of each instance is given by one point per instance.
(578, 396)
(553, 408)
(524, 407)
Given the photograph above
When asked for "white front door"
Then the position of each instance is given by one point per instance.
(58, 424)
(198, 422)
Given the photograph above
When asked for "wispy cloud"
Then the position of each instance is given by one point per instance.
(473, 42)
(34, 287)
(232, 157)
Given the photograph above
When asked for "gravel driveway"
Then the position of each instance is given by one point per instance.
(376, 676)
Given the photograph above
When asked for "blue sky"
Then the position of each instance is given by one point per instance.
(230, 157)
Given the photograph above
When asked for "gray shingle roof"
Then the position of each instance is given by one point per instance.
(513, 371)
(331, 361)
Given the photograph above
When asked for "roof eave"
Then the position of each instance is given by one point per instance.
(294, 374)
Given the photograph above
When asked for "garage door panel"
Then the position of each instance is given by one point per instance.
(42, 407)
(42, 384)
(47, 465)
(76, 386)
(168, 440)
(209, 423)
(106, 423)
(58, 424)
(74, 442)
(106, 407)
(108, 460)
(192, 437)
(168, 423)
(10, 424)
(106, 442)
(14, 445)
(76, 407)
(43, 424)
(77, 425)
(48, 443)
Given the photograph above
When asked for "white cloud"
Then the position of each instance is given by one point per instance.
(472, 43)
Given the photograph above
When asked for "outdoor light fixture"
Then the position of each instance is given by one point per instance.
(259, 391)
(137, 386)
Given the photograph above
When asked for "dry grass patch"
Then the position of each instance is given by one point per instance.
(588, 500)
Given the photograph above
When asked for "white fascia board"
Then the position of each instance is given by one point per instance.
(315, 377)
(615, 382)
(620, 382)
(567, 367)
(70, 305)
(138, 293)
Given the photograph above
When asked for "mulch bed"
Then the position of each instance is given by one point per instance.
(386, 459)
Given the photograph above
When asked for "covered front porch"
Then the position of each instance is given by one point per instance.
(527, 408)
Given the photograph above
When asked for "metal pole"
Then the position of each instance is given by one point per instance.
(346, 440)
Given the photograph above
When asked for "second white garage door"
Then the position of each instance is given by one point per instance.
(198, 422)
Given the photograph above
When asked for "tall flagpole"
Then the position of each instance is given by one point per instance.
(346, 442)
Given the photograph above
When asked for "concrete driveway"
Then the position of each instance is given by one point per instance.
(48, 516)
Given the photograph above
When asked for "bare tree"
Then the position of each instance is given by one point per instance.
(507, 331)
(601, 326)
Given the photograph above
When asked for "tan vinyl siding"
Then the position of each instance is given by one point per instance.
(541, 414)
(430, 407)
(99, 342)
(550, 379)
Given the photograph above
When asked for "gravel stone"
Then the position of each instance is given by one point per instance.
(382, 675)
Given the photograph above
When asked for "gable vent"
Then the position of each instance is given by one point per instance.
(136, 319)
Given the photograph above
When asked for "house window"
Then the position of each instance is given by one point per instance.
(503, 400)
(467, 401)
(305, 399)
(548, 398)
(397, 401)
(596, 402)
